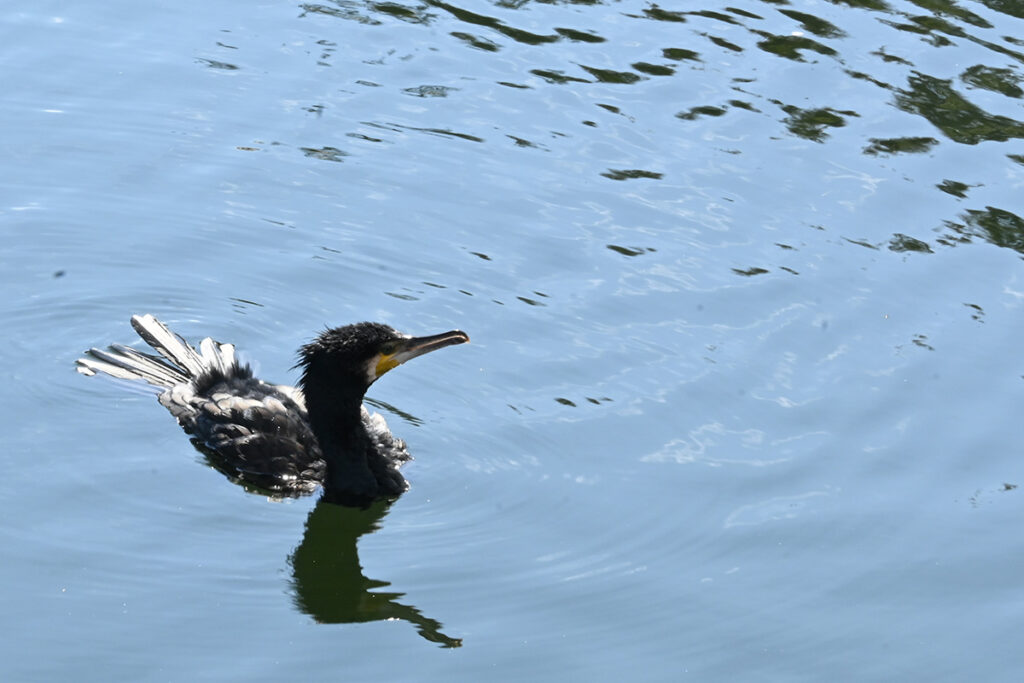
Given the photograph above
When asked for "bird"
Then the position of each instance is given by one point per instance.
(285, 440)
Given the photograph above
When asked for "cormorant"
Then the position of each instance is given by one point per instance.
(288, 440)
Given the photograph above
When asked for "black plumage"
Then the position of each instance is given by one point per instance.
(284, 440)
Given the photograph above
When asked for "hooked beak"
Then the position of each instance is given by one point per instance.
(407, 349)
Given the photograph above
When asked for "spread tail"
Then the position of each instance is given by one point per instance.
(178, 362)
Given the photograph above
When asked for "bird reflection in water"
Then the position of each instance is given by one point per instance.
(328, 582)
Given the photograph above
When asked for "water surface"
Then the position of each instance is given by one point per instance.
(744, 288)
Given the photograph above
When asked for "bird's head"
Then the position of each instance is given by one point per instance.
(359, 354)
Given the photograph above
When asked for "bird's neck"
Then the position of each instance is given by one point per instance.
(336, 418)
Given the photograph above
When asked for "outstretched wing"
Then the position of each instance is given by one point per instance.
(258, 434)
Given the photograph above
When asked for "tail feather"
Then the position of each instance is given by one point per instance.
(125, 363)
(169, 345)
(218, 356)
(178, 362)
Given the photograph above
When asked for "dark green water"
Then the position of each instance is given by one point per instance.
(745, 292)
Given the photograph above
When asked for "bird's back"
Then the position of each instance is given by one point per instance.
(250, 430)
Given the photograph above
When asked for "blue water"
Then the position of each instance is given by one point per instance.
(745, 293)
